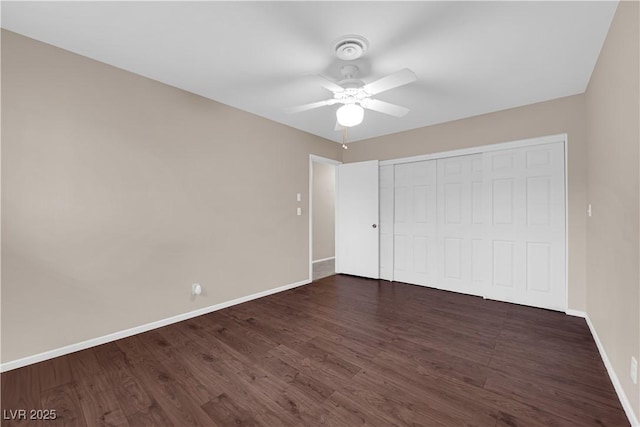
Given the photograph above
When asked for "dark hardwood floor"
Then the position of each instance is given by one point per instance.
(342, 351)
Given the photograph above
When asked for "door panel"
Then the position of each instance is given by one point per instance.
(525, 193)
(503, 263)
(453, 262)
(503, 203)
(420, 254)
(415, 223)
(539, 267)
(461, 241)
(452, 203)
(538, 201)
(357, 239)
(402, 258)
(479, 260)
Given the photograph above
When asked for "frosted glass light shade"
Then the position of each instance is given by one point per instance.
(350, 115)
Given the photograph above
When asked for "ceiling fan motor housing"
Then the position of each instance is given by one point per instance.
(350, 47)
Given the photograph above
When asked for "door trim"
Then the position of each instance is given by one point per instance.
(480, 149)
(317, 159)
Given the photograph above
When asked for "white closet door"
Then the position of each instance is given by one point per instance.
(415, 223)
(386, 222)
(525, 208)
(461, 242)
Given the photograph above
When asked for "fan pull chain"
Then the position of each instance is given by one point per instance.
(344, 138)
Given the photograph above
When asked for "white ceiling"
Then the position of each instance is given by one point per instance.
(471, 58)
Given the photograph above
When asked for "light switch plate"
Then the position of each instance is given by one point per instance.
(299, 197)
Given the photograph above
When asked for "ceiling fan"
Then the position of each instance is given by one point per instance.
(354, 95)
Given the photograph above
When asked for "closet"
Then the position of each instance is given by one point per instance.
(490, 223)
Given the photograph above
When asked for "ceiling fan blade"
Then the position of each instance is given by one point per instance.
(385, 107)
(330, 85)
(311, 106)
(391, 81)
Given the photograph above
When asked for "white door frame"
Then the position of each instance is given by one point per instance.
(317, 159)
(482, 149)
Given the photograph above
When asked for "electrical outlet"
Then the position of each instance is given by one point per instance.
(196, 289)
(634, 370)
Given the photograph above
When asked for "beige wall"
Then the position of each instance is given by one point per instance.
(324, 178)
(613, 118)
(564, 115)
(119, 192)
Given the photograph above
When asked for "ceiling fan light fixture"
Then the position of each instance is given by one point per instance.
(350, 115)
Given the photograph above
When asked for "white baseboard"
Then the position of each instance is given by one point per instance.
(323, 259)
(29, 360)
(576, 313)
(628, 409)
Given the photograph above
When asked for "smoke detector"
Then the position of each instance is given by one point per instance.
(350, 47)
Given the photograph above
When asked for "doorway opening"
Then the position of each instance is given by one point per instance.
(322, 209)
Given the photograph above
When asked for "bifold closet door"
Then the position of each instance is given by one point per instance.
(524, 192)
(415, 224)
(462, 260)
(386, 222)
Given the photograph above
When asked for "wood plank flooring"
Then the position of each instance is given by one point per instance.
(343, 351)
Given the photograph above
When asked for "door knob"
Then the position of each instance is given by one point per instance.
(375, 225)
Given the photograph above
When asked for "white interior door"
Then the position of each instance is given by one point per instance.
(525, 210)
(357, 242)
(461, 244)
(415, 224)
